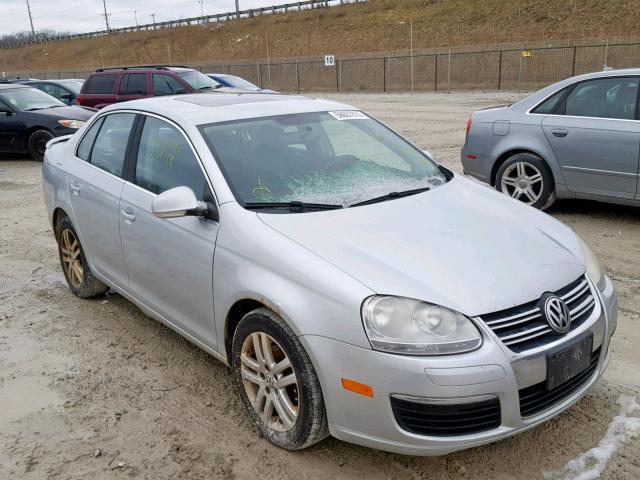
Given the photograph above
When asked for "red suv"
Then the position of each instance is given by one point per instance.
(112, 85)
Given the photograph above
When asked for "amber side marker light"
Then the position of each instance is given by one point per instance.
(355, 387)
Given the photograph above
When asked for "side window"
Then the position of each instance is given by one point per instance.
(604, 97)
(165, 160)
(550, 104)
(100, 84)
(111, 144)
(133, 84)
(84, 148)
(166, 85)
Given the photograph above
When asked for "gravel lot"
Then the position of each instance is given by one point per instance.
(95, 389)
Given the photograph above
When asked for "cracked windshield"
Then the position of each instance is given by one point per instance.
(334, 158)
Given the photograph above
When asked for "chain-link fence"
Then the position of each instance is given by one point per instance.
(499, 69)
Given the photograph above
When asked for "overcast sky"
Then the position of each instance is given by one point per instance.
(85, 15)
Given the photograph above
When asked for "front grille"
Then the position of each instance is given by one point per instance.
(446, 420)
(537, 398)
(525, 327)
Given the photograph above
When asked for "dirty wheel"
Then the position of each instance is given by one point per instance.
(277, 382)
(526, 177)
(74, 263)
(37, 144)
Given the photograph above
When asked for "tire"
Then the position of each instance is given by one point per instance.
(305, 397)
(526, 177)
(80, 280)
(37, 144)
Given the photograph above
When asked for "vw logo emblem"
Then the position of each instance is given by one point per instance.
(557, 314)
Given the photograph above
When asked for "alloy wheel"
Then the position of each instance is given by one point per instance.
(270, 381)
(522, 181)
(71, 258)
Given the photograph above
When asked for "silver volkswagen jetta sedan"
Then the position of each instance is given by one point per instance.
(355, 287)
(579, 138)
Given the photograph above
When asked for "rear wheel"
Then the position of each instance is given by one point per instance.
(37, 144)
(277, 382)
(74, 263)
(526, 177)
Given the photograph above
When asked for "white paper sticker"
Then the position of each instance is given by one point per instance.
(349, 115)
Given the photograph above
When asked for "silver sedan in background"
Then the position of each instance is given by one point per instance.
(354, 286)
(579, 138)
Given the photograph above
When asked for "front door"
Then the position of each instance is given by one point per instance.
(596, 138)
(95, 185)
(133, 86)
(11, 130)
(169, 260)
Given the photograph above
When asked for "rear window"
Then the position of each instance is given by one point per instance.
(100, 84)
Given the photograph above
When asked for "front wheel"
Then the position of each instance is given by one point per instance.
(37, 144)
(277, 382)
(526, 177)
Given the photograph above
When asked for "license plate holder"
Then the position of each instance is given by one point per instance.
(565, 364)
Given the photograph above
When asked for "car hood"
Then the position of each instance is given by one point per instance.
(461, 245)
(63, 113)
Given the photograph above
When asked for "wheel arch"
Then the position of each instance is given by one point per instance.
(238, 310)
(34, 128)
(58, 213)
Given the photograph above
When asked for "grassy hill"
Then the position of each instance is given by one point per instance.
(378, 25)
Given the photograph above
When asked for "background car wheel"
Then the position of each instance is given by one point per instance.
(526, 177)
(74, 263)
(37, 144)
(277, 382)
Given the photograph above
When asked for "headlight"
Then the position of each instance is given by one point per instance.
(594, 269)
(411, 327)
(75, 124)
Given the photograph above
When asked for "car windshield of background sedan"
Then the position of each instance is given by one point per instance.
(29, 99)
(237, 82)
(197, 80)
(331, 158)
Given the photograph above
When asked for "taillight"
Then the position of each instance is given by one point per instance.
(469, 123)
(80, 104)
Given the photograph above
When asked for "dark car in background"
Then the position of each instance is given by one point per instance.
(65, 90)
(29, 118)
(113, 85)
(233, 81)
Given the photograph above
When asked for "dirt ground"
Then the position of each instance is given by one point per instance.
(95, 389)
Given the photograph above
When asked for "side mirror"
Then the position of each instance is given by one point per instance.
(178, 202)
(430, 156)
(6, 111)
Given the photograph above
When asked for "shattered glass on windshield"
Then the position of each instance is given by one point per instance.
(337, 158)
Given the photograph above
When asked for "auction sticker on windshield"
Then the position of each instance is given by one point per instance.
(349, 115)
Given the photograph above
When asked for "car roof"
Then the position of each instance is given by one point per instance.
(11, 86)
(214, 107)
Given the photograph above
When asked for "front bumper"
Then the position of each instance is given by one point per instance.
(490, 372)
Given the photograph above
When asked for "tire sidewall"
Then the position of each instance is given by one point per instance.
(263, 321)
(548, 191)
(84, 290)
(31, 143)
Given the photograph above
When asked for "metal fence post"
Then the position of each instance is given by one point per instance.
(297, 77)
(384, 74)
(573, 68)
(520, 72)
(435, 76)
(500, 70)
(449, 74)
(261, 81)
(338, 75)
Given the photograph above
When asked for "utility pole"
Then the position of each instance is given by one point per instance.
(238, 9)
(201, 9)
(153, 15)
(135, 15)
(105, 14)
(33, 30)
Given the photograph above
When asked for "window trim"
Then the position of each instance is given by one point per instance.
(127, 75)
(114, 87)
(569, 88)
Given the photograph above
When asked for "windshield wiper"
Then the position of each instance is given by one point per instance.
(294, 206)
(391, 196)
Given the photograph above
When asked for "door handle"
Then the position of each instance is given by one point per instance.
(128, 215)
(75, 187)
(559, 132)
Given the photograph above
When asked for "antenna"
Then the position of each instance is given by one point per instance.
(33, 30)
(105, 14)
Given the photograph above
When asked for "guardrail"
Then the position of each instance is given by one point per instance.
(218, 17)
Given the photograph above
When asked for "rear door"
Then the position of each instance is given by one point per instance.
(169, 260)
(95, 183)
(595, 137)
(133, 86)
